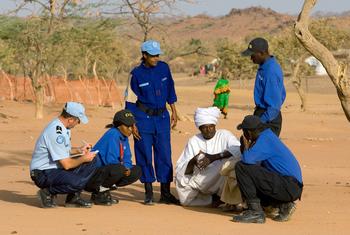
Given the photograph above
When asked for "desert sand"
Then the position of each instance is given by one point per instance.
(318, 137)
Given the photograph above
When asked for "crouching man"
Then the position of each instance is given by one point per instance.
(54, 169)
(268, 174)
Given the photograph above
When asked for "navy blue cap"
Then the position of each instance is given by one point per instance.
(256, 45)
(250, 122)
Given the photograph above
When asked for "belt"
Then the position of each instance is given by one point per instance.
(149, 111)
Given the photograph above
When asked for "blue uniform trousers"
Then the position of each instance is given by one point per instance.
(159, 143)
(60, 181)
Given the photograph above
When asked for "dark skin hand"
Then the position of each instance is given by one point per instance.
(191, 164)
(135, 132)
(210, 158)
(247, 140)
(127, 172)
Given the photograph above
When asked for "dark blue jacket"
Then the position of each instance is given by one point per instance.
(269, 91)
(271, 153)
(154, 87)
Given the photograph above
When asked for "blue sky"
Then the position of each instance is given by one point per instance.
(222, 7)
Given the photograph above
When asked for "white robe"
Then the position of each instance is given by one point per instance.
(197, 189)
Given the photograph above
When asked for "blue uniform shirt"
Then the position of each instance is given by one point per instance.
(154, 87)
(109, 147)
(273, 155)
(269, 91)
(52, 145)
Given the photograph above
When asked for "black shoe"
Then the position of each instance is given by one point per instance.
(46, 198)
(285, 212)
(74, 200)
(109, 196)
(148, 194)
(169, 199)
(103, 198)
(250, 216)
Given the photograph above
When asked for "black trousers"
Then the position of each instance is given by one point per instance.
(256, 182)
(275, 125)
(109, 175)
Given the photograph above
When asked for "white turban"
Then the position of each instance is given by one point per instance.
(204, 116)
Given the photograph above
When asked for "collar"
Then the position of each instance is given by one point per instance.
(267, 62)
(121, 136)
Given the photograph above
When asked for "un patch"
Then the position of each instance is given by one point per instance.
(60, 139)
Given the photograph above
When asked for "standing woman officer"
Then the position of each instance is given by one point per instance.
(153, 85)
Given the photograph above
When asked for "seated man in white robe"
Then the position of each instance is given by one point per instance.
(198, 169)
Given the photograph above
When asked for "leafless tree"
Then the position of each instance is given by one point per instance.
(336, 70)
(143, 12)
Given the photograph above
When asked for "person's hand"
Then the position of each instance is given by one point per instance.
(173, 119)
(86, 147)
(135, 132)
(204, 162)
(89, 156)
(245, 143)
(127, 172)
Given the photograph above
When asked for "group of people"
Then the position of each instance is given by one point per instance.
(251, 173)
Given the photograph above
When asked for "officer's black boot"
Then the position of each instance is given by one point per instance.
(254, 214)
(166, 196)
(103, 198)
(46, 198)
(285, 211)
(74, 200)
(148, 194)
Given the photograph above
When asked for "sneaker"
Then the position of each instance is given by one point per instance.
(46, 198)
(169, 199)
(74, 200)
(286, 211)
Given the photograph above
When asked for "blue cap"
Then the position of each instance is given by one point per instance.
(77, 110)
(151, 47)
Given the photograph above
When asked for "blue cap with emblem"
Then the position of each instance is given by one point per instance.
(77, 110)
(151, 47)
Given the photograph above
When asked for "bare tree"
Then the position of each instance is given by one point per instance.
(336, 70)
(144, 10)
(297, 80)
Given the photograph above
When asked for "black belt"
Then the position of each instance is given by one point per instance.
(149, 111)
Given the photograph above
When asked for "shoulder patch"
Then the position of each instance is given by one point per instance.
(60, 139)
(58, 130)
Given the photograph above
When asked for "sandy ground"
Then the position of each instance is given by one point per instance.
(319, 138)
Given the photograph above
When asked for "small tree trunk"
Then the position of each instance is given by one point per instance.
(337, 71)
(98, 88)
(119, 97)
(39, 97)
(65, 77)
(297, 81)
(86, 88)
(10, 84)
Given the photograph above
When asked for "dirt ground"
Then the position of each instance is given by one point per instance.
(319, 138)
